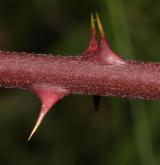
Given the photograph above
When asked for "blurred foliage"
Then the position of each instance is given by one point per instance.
(122, 132)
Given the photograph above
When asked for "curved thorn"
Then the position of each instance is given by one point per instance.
(100, 27)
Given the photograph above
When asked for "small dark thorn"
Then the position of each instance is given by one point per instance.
(96, 100)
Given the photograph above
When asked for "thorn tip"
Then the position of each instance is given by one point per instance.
(92, 22)
(40, 118)
(100, 27)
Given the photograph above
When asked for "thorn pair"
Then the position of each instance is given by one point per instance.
(93, 27)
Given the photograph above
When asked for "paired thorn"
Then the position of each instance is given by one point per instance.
(93, 27)
(99, 24)
(93, 42)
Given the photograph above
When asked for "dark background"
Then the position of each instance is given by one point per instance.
(122, 132)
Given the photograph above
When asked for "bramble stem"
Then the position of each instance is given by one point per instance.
(129, 79)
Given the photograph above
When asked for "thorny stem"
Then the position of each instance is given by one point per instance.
(130, 79)
(98, 71)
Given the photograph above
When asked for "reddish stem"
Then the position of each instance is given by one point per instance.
(129, 79)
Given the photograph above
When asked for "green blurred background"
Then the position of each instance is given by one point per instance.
(122, 132)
